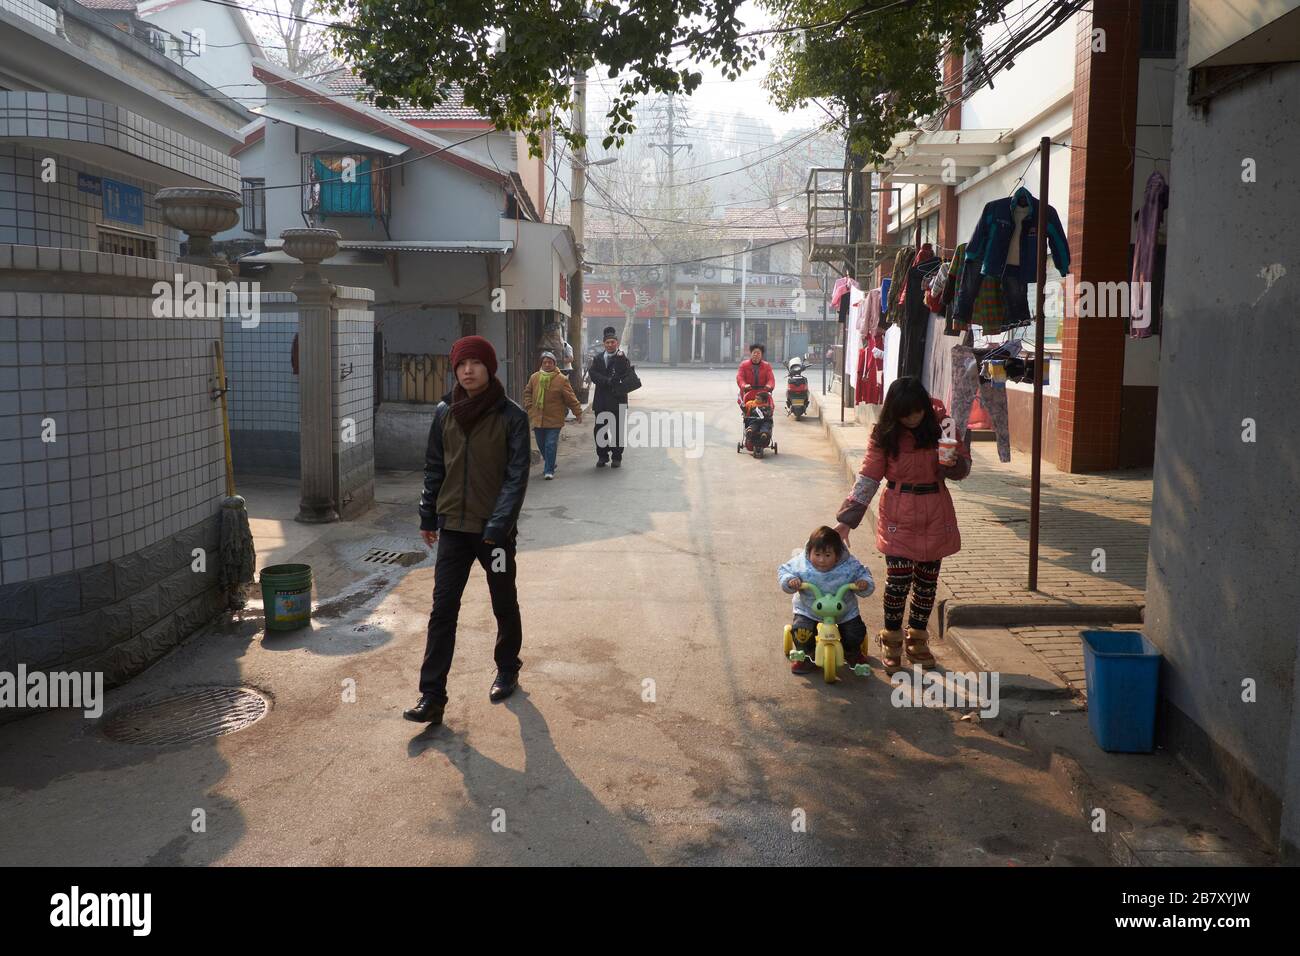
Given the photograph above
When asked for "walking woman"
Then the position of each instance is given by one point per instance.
(917, 524)
(546, 396)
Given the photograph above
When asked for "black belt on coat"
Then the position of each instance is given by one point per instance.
(930, 489)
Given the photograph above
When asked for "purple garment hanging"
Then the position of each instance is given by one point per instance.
(1142, 295)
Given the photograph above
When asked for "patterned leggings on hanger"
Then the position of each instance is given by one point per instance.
(904, 574)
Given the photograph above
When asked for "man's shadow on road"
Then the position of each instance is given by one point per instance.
(545, 805)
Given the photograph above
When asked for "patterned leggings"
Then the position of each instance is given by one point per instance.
(922, 578)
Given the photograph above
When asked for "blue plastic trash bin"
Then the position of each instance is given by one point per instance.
(1123, 673)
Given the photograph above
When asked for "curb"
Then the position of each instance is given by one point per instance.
(1024, 614)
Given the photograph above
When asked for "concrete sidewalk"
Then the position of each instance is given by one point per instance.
(1147, 809)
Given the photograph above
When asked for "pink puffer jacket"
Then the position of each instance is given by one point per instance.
(920, 527)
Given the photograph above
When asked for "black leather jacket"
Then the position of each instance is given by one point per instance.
(510, 500)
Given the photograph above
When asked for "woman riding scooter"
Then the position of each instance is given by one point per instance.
(756, 382)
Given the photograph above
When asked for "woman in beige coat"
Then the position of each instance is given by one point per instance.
(546, 396)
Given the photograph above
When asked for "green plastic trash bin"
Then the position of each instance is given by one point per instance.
(286, 594)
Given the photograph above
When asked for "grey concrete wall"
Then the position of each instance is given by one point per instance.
(1221, 592)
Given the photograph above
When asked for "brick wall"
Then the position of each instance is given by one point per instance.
(1101, 188)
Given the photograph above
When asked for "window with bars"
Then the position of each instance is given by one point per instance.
(118, 242)
(254, 191)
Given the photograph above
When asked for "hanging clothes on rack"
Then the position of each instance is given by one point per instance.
(871, 313)
(966, 384)
(1144, 300)
(916, 315)
(952, 325)
(842, 295)
(898, 282)
(1004, 248)
(871, 386)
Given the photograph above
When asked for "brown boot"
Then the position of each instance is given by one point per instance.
(918, 649)
(891, 651)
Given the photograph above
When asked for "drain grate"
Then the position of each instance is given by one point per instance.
(186, 718)
(403, 558)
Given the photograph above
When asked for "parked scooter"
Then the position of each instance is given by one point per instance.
(796, 389)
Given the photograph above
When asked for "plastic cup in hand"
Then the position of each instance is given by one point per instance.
(947, 451)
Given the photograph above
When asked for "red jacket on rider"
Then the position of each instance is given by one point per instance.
(749, 376)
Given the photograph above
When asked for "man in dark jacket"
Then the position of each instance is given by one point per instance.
(475, 476)
(607, 371)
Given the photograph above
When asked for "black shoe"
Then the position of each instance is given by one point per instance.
(616, 463)
(503, 686)
(600, 463)
(426, 711)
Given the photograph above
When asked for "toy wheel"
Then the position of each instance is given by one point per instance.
(829, 660)
(739, 446)
(798, 416)
(787, 642)
(774, 451)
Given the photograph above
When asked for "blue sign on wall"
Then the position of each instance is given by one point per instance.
(123, 203)
(88, 184)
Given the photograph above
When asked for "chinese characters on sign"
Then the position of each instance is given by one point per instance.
(123, 202)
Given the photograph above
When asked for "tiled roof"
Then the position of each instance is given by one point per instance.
(777, 223)
(349, 84)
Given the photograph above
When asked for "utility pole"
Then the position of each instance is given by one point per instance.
(670, 148)
(744, 281)
(577, 217)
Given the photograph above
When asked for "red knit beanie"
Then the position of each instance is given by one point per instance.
(474, 347)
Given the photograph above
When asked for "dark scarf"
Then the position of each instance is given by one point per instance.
(468, 410)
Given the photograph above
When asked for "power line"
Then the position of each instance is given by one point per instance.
(684, 262)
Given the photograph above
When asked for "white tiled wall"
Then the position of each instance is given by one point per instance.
(263, 389)
(38, 213)
(354, 394)
(137, 453)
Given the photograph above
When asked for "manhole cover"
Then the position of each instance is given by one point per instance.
(185, 718)
(403, 558)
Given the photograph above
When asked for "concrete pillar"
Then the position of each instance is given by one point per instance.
(1100, 223)
(315, 372)
(201, 214)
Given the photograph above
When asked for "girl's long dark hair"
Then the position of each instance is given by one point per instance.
(906, 395)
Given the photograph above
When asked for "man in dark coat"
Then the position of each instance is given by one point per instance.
(607, 371)
(475, 477)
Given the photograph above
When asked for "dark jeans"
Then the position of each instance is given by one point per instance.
(852, 633)
(608, 430)
(457, 552)
(548, 440)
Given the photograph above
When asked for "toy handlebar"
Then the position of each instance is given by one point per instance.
(818, 594)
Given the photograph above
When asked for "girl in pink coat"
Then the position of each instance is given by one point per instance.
(917, 525)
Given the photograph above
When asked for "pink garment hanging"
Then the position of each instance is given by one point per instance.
(871, 313)
(842, 285)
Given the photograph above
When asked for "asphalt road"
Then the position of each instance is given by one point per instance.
(657, 721)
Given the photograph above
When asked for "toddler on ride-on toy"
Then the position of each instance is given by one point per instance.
(826, 564)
